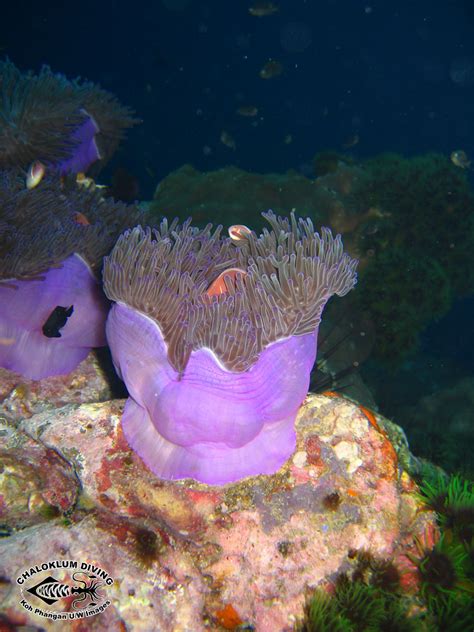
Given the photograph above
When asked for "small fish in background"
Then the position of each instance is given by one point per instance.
(288, 139)
(271, 69)
(87, 182)
(150, 172)
(56, 321)
(218, 286)
(239, 232)
(262, 9)
(352, 141)
(247, 110)
(35, 174)
(81, 219)
(227, 140)
(460, 159)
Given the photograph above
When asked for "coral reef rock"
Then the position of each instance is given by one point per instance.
(192, 557)
(21, 397)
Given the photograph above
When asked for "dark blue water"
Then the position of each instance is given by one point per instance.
(400, 75)
(452, 337)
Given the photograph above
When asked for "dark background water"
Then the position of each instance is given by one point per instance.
(400, 75)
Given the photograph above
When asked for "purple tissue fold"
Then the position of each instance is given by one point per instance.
(210, 424)
(25, 306)
(85, 151)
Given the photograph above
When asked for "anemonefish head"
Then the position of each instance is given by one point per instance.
(238, 232)
(35, 174)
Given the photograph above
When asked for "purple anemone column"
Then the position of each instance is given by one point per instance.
(215, 339)
(27, 306)
(210, 424)
(85, 151)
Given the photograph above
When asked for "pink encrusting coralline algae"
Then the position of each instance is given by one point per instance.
(215, 339)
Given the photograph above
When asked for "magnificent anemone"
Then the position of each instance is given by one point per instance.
(68, 125)
(216, 379)
(52, 241)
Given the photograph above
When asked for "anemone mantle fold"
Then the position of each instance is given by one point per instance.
(26, 304)
(210, 424)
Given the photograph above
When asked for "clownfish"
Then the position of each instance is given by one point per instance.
(238, 232)
(35, 174)
(218, 286)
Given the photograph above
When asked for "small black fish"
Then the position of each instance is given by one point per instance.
(56, 321)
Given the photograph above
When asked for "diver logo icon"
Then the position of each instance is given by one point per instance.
(51, 590)
(74, 595)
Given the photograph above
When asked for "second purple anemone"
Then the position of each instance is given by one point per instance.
(52, 241)
(49, 324)
(66, 124)
(216, 380)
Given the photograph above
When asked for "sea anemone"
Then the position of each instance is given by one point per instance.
(52, 241)
(441, 569)
(453, 500)
(452, 614)
(68, 125)
(377, 572)
(356, 606)
(215, 340)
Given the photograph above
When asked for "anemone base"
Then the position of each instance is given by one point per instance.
(212, 463)
(211, 424)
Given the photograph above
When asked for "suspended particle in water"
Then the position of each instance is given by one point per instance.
(296, 37)
(461, 71)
